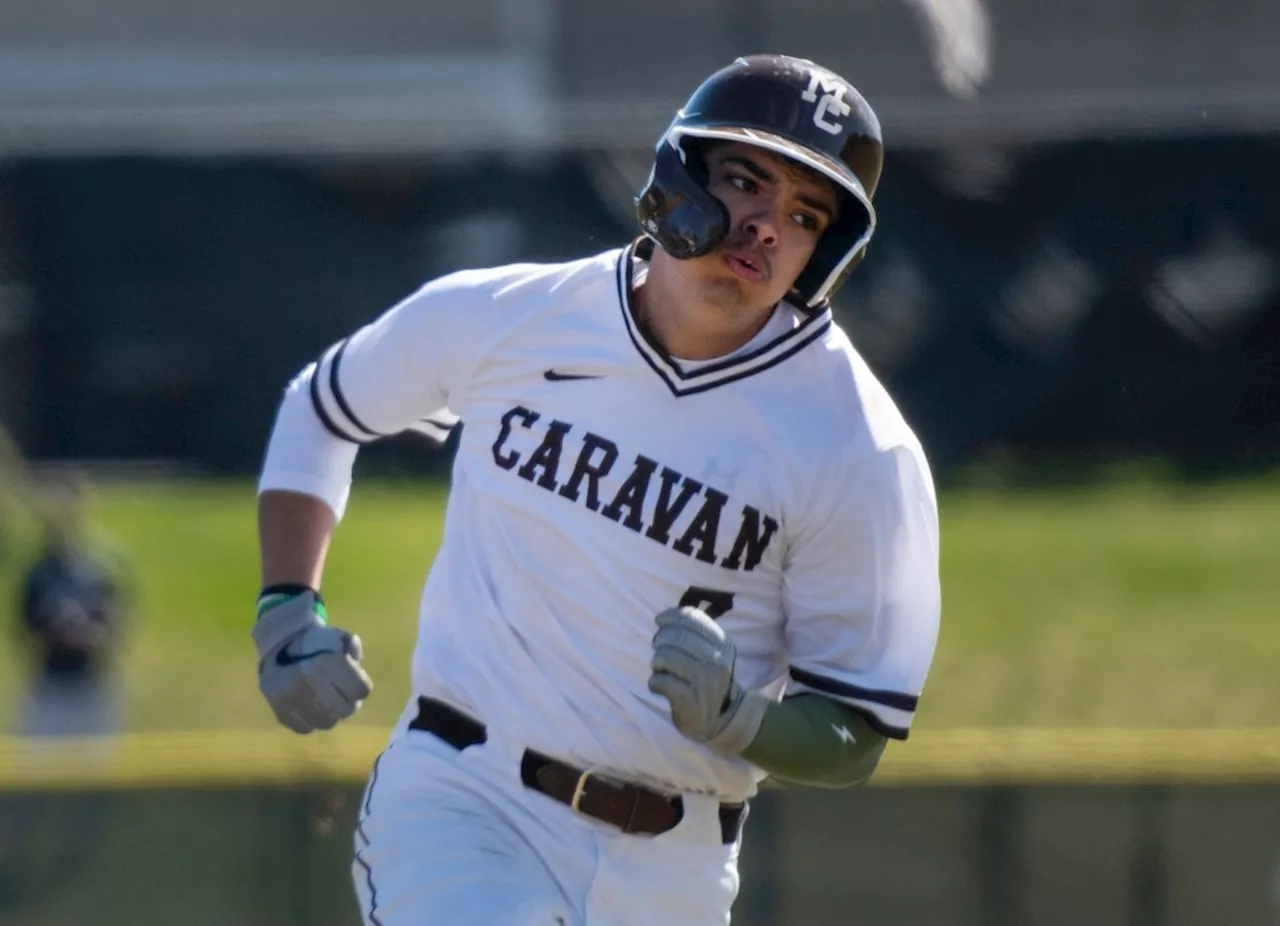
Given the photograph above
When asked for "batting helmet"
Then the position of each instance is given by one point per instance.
(787, 105)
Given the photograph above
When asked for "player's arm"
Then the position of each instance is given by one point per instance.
(861, 595)
(309, 672)
(293, 535)
(394, 375)
(808, 739)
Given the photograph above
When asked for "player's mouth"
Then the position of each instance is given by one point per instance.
(746, 265)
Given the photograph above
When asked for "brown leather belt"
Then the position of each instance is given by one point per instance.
(632, 808)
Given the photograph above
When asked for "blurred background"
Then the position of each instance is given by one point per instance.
(1074, 294)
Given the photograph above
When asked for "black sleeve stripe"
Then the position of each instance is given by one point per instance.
(341, 399)
(875, 723)
(324, 415)
(894, 699)
(442, 425)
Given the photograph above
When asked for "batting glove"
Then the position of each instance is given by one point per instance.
(309, 672)
(692, 667)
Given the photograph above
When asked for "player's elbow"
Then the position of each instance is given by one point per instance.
(845, 770)
(852, 769)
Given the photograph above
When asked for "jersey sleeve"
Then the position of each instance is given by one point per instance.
(861, 590)
(408, 369)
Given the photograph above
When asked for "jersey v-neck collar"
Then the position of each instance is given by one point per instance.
(703, 377)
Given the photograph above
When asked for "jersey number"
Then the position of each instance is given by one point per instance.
(707, 600)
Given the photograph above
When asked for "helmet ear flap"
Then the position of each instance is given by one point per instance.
(832, 261)
(676, 209)
(812, 281)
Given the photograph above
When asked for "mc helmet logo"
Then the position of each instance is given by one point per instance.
(830, 102)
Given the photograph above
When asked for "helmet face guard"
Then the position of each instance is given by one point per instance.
(795, 109)
(676, 208)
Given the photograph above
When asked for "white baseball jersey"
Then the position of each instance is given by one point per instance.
(599, 480)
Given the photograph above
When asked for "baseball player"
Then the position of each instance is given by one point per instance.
(690, 542)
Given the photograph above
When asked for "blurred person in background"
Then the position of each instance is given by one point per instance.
(72, 606)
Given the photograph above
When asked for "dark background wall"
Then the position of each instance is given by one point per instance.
(1080, 297)
(1078, 250)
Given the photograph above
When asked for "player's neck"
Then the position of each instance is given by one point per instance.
(688, 331)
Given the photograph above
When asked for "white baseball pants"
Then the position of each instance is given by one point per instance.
(449, 838)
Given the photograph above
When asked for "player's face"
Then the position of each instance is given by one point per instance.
(777, 212)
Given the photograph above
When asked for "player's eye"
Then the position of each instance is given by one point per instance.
(745, 184)
(806, 220)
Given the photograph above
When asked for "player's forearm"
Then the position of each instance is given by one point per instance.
(293, 536)
(812, 740)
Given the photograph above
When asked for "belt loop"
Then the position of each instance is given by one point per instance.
(447, 723)
(629, 827)
(732, 818)
(580, 789)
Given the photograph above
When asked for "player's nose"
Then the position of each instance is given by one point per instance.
(762, 224)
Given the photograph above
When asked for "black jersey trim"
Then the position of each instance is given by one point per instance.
(336, 388)
(322, 413)
(689, 382)
(895, 699)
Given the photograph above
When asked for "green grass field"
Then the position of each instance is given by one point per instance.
(1129, 604)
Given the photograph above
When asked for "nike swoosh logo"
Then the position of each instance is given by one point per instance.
(285, 658)
(553, 376)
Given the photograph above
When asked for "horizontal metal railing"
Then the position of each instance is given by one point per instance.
(950, 757)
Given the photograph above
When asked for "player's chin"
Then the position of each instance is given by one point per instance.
(749, 296)
(728, 294)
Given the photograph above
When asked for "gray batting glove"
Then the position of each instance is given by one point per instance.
(692, 667)
(309, 672)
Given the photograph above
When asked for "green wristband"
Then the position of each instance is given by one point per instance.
(275, 595)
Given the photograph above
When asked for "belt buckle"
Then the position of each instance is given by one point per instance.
(580, 789)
